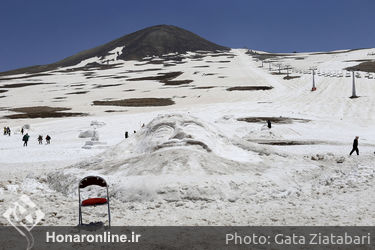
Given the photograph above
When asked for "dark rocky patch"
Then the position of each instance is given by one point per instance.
(113, 111)
(143, 70)
(23, 77)
(364, 66)
(165, 78)
(129, 90)
(281, 120)
(41, 112)
(177, 82)
(169, 64)
(290, 77)
(204, 87)
(289, 143)
(20, 85)
(266, 56)
(59, 98)
(202, 66)
(77, 93)
(159, 77)
(137, 102)
(277, 73)
(106, 86)
(119, 77)
(360, 60)
(249, 88)
(77, 85)
(3, 90)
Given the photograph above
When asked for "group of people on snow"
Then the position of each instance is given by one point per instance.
(26, 137)
(7, 131)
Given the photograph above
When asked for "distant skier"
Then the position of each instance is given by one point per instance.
(40, 139)
(22, 130)
(355, 146)
(135, 131)
(5, 131)
(48, 139)
(269, 124)
(126, 134)
(25, 139)
(8, 131)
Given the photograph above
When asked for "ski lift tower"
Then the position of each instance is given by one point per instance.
(313, 78)
(354, 95)
(287, 67)
(279, 65)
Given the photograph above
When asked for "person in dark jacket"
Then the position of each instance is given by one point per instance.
(126, 134)
(40, 139)
(25, 139)
(355, 146)
(22, 131)
(8, 131)
(48, 139)
(269, 124)
(5, 130)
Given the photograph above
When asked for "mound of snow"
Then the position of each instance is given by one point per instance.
(86, 134)
(174, 157)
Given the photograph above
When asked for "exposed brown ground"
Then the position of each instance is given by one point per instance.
(177, 82)
(77, 93)
(282, 120)
(23, 77)
(20, 85)
(165, 78)
(249, 88)
(290, 77)
(106, 86)
(41, 112)
(365, 66)
(204, 87)
(137, 102)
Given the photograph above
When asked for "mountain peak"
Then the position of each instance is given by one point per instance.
(152, 41)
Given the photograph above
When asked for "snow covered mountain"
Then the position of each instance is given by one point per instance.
(196, 114)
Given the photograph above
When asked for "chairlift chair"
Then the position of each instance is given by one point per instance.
(93, 202)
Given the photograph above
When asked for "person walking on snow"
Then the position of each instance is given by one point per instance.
(22, 130)
(8, 131)
(40, 139)
(48, 139)
(25, 138)
(355, 146)
(5, 130)
(269, 124)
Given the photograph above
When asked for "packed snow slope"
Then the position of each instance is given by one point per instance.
(201, 154)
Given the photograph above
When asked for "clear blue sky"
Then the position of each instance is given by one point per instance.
(44, 31)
